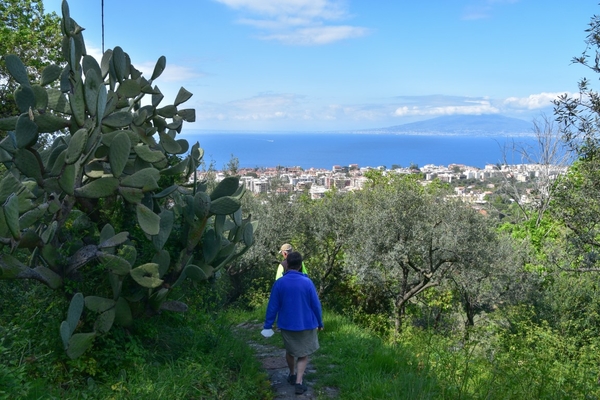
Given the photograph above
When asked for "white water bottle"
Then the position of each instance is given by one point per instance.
(267, 333)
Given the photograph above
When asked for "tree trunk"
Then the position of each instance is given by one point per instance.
(469, 312)
(399, 312)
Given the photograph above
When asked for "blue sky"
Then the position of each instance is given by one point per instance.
(322, 65)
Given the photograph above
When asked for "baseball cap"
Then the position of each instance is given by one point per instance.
(285, 247)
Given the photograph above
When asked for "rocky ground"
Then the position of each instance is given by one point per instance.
(272, 357)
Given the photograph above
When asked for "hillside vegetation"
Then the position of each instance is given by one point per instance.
(123, 276)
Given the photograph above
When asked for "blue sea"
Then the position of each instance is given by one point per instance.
(323, 150)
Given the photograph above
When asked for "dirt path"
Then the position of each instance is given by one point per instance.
(272, 357)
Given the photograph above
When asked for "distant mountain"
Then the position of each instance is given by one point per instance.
(474, 125)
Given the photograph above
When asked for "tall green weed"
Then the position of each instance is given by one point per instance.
(192, 355)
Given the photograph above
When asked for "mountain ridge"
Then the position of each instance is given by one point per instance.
(474, 125)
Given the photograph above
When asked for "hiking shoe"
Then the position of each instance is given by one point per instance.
(300, 388)
(292, 379)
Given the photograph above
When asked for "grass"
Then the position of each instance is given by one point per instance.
(421, 364)
(355, 362)
(195, 355)
(202, 355)
(362, 366)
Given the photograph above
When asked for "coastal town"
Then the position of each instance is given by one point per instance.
(317, 181)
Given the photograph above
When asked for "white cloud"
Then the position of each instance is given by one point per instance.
(297, 22)
(482, 9)
(452, 105)
(483, 108)
(318, 35)
(275, 25)
(534, 101)
(312, 9)
(172, 73)
(262, 107)
(288, 109)
(291, 107)
(94, 52)
(365, 112)
(265, 101)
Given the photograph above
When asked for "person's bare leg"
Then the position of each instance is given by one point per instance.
(290, 362)
(300, 367)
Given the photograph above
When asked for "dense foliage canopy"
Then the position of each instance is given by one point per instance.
(31, 34)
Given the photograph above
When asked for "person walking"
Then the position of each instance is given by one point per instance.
(284, 251)
(295, 304)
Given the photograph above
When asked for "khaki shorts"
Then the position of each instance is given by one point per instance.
(300, 343)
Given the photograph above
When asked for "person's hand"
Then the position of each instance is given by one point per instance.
(320, 328)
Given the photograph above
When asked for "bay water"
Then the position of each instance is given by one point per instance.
(324, 150)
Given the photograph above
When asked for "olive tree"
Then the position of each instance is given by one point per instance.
(324, 227)
(493, 273)
(409, 239)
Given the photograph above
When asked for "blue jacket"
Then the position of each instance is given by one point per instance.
(295, 303)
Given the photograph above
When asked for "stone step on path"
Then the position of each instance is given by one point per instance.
(272, 357)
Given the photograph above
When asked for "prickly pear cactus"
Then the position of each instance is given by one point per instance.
(110, 150)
